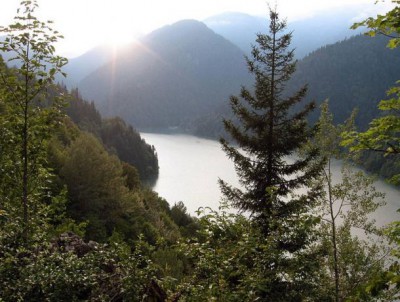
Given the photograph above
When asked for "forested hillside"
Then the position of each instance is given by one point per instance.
(79, 67)
(118, 137)
(354, 73)
(69, 179)
(102, 164)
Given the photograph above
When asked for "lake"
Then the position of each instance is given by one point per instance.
(190, 167)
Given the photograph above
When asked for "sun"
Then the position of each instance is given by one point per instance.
(118, 38)
(120, 22)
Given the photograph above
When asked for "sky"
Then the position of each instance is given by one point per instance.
(88, 23)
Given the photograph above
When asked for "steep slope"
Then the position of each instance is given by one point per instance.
(175, 74)
(354, 73)
(80, 67)
(116, 136)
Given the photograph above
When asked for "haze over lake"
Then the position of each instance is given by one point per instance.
(190, 167)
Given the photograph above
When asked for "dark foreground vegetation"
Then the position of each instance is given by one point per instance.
(77, 223)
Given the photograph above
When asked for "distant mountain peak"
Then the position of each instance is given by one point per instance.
(178, 73)
(187, 25)
(178, 30)
(309, 33)
(228, 18)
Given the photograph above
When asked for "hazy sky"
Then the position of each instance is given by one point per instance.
(86, 23)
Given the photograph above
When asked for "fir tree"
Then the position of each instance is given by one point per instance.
(271, 130)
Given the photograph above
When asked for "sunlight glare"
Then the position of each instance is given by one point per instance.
(87, 23)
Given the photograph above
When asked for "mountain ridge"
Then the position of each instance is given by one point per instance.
(242, 33)
(308, 34)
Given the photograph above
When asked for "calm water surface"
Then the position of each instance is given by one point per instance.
(190, 168)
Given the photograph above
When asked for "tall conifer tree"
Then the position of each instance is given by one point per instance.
(271, 130)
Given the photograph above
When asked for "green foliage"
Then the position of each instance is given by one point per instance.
(382, 137)
(386, 284)
(383, 134)
(26, 119)
(52, 175)
(107, 273)
(130, 147)
(233, 261)
(346, 224)
(95, 185)
(387, 25)
(269, 131)
(89, 182)
(171, 265)
(61, 174)
(355, 247)
(118, 137)
(219, 258)
(186, 223)
(131, 176)
(83, 113)
(106, 193)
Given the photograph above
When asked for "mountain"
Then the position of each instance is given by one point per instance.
(239, 28)
(80, 67)
(175, 74)
(308, 34)
(183, 74)
(353, 73)
(117, 137)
